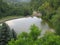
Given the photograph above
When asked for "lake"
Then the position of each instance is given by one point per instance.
(23, 24)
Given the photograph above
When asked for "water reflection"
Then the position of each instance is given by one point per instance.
(23, 24)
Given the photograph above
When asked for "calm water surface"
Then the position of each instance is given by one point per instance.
(23, 24)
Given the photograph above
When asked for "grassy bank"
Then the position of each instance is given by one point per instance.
(9, 18)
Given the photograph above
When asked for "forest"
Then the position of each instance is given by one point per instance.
(50, 10)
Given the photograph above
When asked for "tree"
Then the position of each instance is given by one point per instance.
(35, 4)
(50, 39)
(35, 32)
(27, 38)
(50, 10)
(47, 11)
(16, 9)
(5, 34)
(14, 34)
(56, 23)
(31, 38)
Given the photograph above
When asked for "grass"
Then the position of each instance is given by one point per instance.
(9, 18)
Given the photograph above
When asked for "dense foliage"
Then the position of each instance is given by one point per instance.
(33, 38)
(50, 10)
(6, 34)
(18, 9)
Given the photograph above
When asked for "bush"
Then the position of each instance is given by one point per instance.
(32, 38)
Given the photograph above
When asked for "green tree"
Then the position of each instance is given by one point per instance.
(56, 23)
(14, 34)
(17, 9)
(5, 35)
(35, 32)
(50, 39)
(50, 12)
(35, 4)
(31, 38)
(27, 38)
